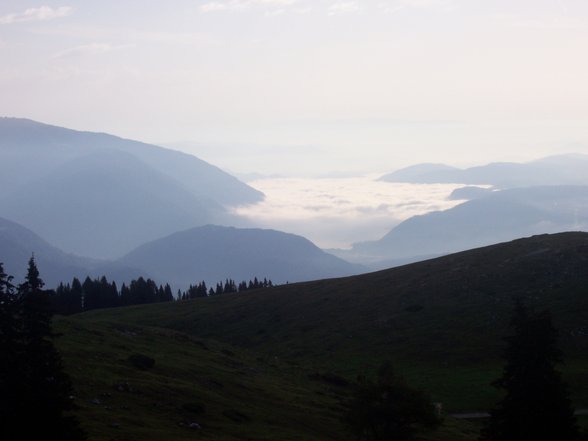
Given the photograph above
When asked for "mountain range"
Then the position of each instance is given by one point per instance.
(138, 209)
(570, 169)
(101, 196)
(490, 217)
(209, 253)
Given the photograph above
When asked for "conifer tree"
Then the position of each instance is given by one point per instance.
(76, 296)
(8, 335)
(32, 281)
(35, 392)
(536, 405)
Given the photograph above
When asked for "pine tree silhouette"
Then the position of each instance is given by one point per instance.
(536, 405)
(35, 392)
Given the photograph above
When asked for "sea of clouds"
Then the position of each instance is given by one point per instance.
(337, 212)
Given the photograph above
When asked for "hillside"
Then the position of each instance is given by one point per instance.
(471, 291)
(213, 253)
(18, 243)
(99, 195)
(440, 321)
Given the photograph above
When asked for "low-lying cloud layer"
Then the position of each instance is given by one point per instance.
(336, 212)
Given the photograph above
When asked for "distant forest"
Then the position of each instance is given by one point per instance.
(100, 293)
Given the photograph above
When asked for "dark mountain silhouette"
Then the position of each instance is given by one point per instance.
(17, 244)
(213, 253)
(496, 217)
(569, 169)
(100, 195)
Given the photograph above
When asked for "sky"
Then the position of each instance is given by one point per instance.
(307, 87)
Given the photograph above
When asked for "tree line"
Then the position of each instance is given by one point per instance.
(229, 286)
(75, 297)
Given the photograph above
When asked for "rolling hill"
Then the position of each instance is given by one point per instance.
(99, 195)
(213, 253)
(440, 322)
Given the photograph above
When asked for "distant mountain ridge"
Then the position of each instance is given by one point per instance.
(571, 169)
(210, 253)
(18, 243)
(495, 217)
(100, 195)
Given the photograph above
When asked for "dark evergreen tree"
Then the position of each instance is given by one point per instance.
(108, 294)
(389, 409)
(125, 295)
(536, 405)
(168, 296)
(76, 296)
(33, 281)
(35, 392)
(8, 332)
(6, 286)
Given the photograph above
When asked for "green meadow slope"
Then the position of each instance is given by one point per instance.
(272, 364)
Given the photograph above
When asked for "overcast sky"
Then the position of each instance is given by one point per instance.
(307, 86)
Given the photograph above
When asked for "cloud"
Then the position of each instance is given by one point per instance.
(90, 49)
(214, 6)
(551, 23)
(42, 13)
(241, 5)
(399, 5)
(344, 8)
(336, 212)
(429, 4)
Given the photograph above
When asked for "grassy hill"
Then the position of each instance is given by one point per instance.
(283, 356)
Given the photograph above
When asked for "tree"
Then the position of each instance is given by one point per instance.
(389, 409)
(536, 404)
(6, 286)
(8, 334)
(35, 392)
(32, 281)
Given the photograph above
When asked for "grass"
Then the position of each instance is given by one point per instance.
(229, 392)
(252, 359)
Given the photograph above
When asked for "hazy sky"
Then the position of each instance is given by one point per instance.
(301, 86)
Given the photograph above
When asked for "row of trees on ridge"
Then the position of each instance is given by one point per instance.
(75, 297)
